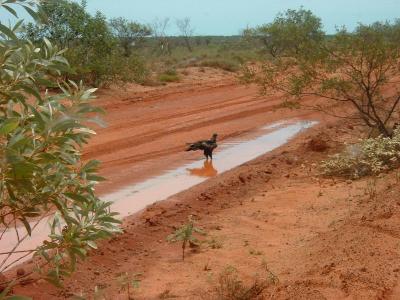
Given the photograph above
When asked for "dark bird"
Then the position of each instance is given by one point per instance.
(207, 146)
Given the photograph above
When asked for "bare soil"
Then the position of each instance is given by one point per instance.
(323, 238)
(148, 128)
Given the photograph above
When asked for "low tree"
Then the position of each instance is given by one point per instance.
(129, 33)
(43, 178)
(127, 282)
(64, 23)
(159, 29)
(186, 31)
(94, 52)
(89, 40)
(357, 68)
(289, 33)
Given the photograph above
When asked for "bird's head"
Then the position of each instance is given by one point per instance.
(214, 136)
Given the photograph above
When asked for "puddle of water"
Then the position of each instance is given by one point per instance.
(136, 197)
(230, 155)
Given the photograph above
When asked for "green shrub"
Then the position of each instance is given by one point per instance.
(223, 64)
(169, 75)
(129, 69)
(370, 156)
(107, 69)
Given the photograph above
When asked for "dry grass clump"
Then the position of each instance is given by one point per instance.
(230, 287)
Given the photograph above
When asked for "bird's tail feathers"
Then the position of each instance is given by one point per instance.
(190, 147)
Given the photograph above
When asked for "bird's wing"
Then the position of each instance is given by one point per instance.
(197, 146)
(210, 143)
(202, 145)
(196, 143)
(205, 145)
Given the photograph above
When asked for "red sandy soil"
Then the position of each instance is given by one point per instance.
(322, 238)
(149, 127)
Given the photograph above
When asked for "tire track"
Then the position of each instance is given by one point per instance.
(151, 136)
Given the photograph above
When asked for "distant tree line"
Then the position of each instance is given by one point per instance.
(102, 51)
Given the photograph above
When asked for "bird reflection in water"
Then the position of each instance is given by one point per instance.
(207, 170)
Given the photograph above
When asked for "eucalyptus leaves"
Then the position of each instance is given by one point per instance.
(43, 176)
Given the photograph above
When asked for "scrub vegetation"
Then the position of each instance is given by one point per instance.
(103, 52)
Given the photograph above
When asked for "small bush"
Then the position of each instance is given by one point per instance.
(185, 235)
(290, 104)
(370, 156)
(111, 69)
(169, 76)
(231, 287)
(247, 75)
(128, 282)
(223, 64)
(135, 70)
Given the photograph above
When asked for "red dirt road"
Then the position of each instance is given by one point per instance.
(147, 131)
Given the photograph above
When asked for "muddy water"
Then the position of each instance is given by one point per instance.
(136, 197)
(229, 155)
